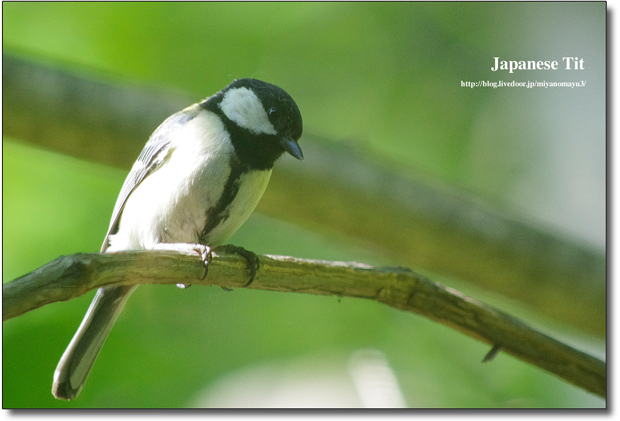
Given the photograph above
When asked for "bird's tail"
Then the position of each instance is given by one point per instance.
(77, 361)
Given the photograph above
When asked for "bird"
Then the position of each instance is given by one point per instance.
(197, 180)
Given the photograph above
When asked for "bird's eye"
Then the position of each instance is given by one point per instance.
(273, 111)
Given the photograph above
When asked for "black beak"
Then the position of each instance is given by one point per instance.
(290, 145)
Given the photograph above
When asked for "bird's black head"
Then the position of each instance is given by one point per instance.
(262, 119)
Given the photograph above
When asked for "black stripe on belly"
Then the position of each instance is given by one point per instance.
(219, 213)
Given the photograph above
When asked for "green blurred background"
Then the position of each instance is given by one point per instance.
(384, 77)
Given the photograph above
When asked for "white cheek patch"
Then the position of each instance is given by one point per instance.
(242, 106)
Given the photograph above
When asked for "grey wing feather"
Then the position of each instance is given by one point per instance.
(149, 159)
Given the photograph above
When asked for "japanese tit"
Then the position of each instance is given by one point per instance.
(197, 180)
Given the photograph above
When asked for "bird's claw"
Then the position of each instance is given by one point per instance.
(252, 260)
(206, 255)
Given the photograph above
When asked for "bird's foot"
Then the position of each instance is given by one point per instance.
(252, 260)
(188, 248)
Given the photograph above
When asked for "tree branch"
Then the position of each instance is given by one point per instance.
(68, 277)
(420, 222)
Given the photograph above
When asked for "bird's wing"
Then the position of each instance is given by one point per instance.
(151, 157)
